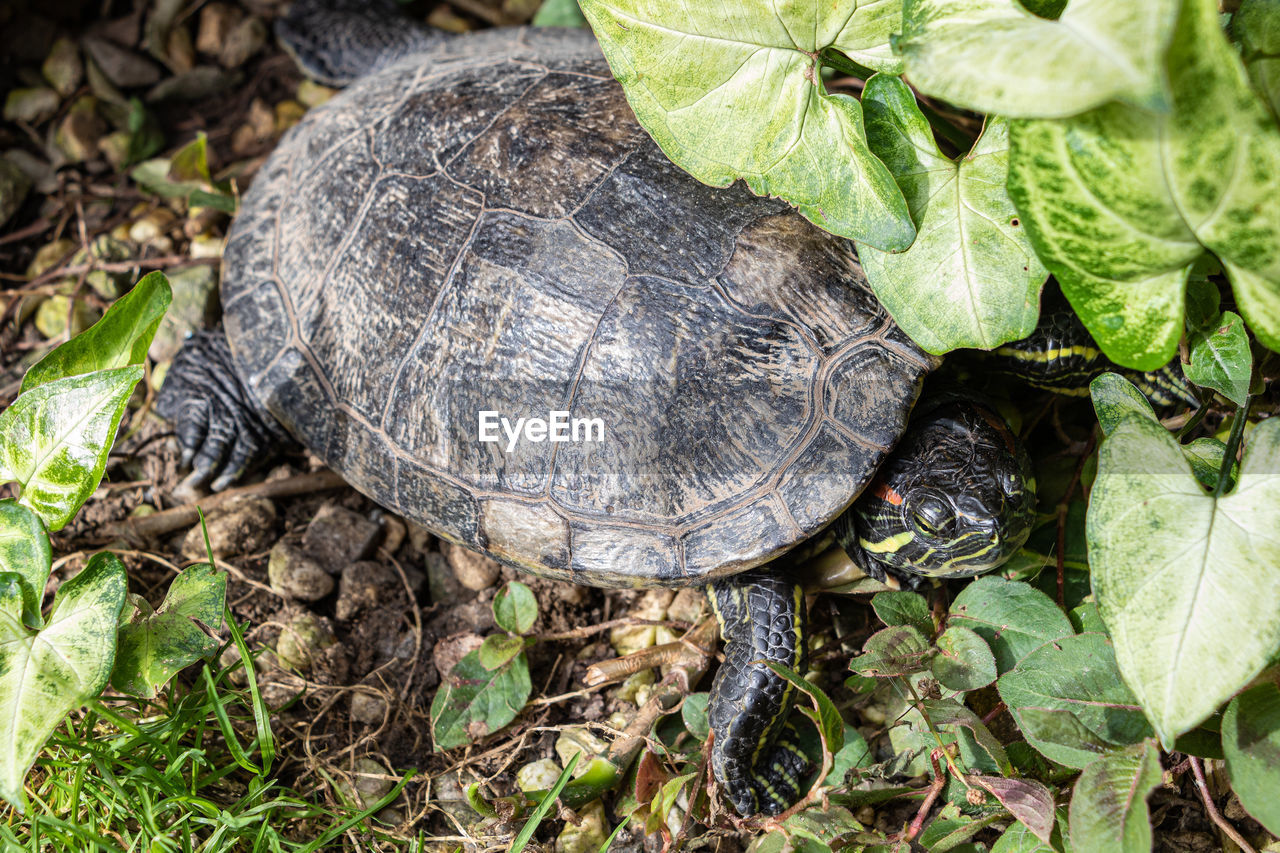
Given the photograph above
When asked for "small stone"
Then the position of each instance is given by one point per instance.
(203, 81)
(303, 639)
(101, 86)
(194, 306)
(538, 775)
(216, 21)
(206, 246)
(442, 584)
(444, 18)
(39, 171)
(243, 525)
(588, 835)
(652, 606)
(180, 50)
(63, 68)
(80, 129)
(636, 684)
(115, 148)
(420, 537)
(256, 131)
(447, 652)
(577, 740)
(51, 316)
(688, 605)
(243, 41)
(367, 709)
(50, 255)
(32, 105)
(338, 536)
(293, 573)
(474, 571)
(372, 781)
(393, 533)
(365, 585)
(287, 113)
(151, 225)
(122, 67)
(312, 94)
(277, 694)
(110, 286)
(14, 185)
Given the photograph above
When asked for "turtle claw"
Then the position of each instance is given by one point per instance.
(221, 431)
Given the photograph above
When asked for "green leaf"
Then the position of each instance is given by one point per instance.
(1220, 357)
(539, 813)
(191, 163)
(855, 753)
(1013, 617)
(1255, 25)
(514, 608)
(950, 829)
(54, 439)
(736, 91)
(897, 650)
(120, 338)
(1076, 674)
(1116, 398)
(1108, 812)
(154, 648)
(993, 56)
(559, 13)
(153, 177)
(497, 649)
(902, 607)
(25, 552)
(46, 674)
(1188, 584)
(1205, 455)
(970, 279)
(1018, 839)
(830, 723)
(964, 660)
(1251, 743)
(973, 733)
(1027, 800)
(1120, 202)
(474, 702)
(1062, 730)
(694, 713)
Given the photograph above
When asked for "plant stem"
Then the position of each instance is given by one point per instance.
(1194, 421)
(1233, 446)
(1197, 770)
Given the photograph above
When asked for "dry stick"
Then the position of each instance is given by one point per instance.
(1197, 770)
(625, 622)
(186, 515)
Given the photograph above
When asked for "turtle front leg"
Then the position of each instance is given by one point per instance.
(220, 426)
(762, 617)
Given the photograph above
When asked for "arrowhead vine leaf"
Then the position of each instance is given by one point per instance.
(1188, 584)
(45, 674)
(735, 90)
(970, 279)
(25, 552)
(1121, 202)
(994, 56)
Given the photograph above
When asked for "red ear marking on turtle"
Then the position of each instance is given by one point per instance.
(881, 489)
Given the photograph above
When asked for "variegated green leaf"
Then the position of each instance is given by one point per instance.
(54, 439)
(24, 551)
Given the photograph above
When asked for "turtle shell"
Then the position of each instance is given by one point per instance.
(486, 228)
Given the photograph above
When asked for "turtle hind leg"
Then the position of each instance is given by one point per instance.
(336, 41)
(757, 765)
(221, 428)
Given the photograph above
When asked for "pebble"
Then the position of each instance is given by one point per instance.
(241, 526)
(152, 224)
(474, 571)
(51, 316)
(121, 66)
(538, 775)
(312, 94)
(180, 50)
(588, 835)
(194, 306)
(447, 652)
(442, 585)
(372, 781)
(203, 81)
(292, 572)
(303, 639)
(63, 68)
(652, 606)
(32, 105)
(216, 21)
(109, 285)
(393, 530)
(577, 740)
(337, 537)
(80, 129)
(367, 709)
(243, 41)
(364, 585)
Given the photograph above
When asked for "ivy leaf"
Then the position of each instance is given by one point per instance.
(1108, 812)
(970, 279)
(993, 56)
(1251, 743)
(120, 338)
(515, 608)
(154, 648)
(474, 702)
(25, 552)
(735, 91)
(964, 660)
(1013, 617)
(54, 439)
(1120, 202)
(903, 607)
(46, 674)
(1220, 357)
(1188, 584)
(1078, 675)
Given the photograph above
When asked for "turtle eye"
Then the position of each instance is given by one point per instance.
(1009, 482)
(934, 517)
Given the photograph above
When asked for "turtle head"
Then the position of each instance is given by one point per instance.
(337, 41)
(957, 498)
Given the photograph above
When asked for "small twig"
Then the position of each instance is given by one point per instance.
(993, 713)
(625, 622)
(617, 669)
(170, 520)
(1197, 771)
(935, 788)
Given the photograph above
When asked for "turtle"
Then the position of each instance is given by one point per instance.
(477, 227)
